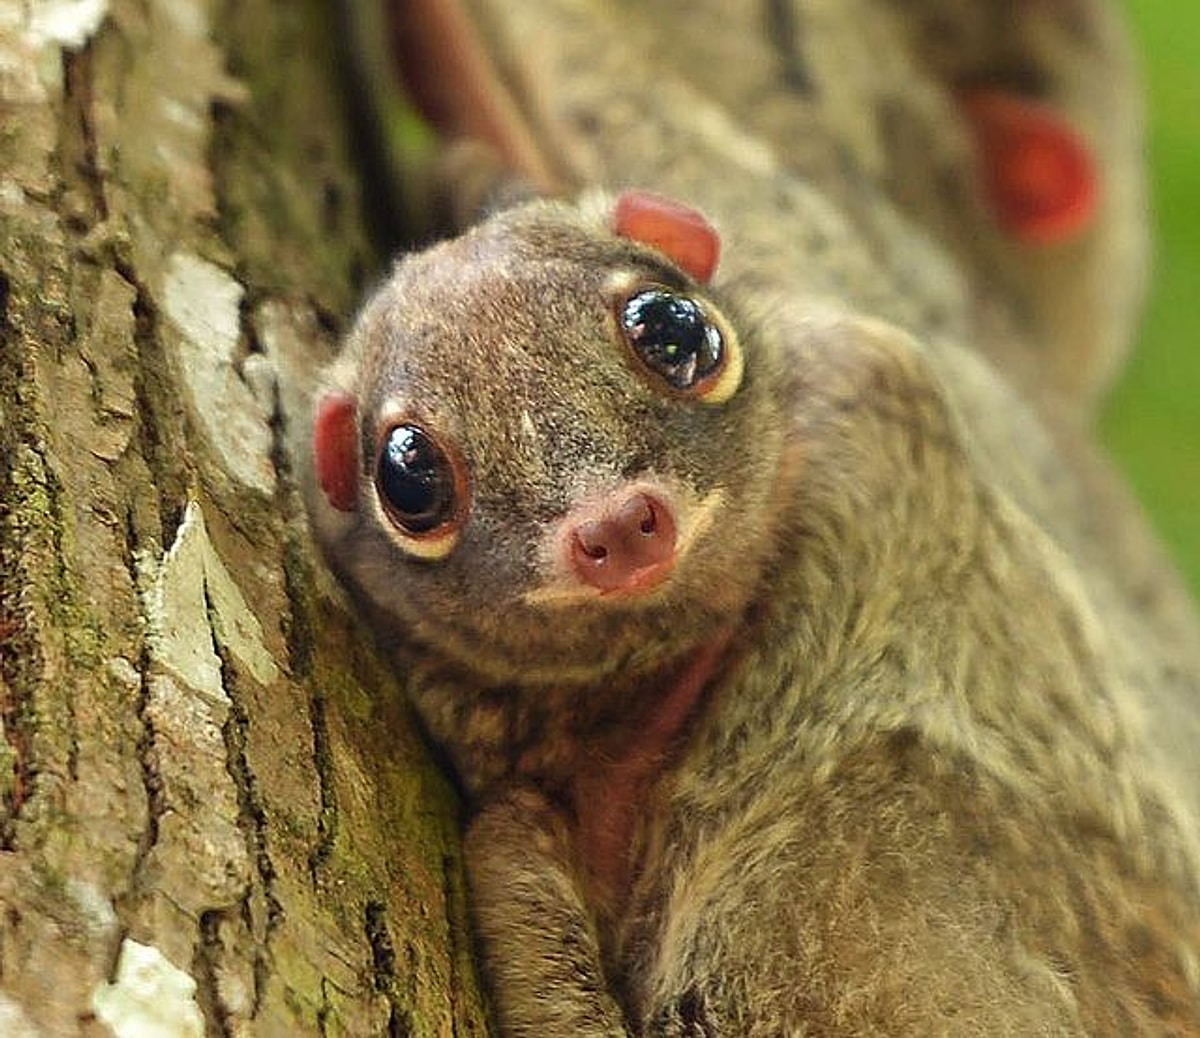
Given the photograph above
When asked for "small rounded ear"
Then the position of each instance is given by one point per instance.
(1039, 175)
(335, 449)
(678, 231)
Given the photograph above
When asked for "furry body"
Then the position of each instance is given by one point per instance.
(905, 742)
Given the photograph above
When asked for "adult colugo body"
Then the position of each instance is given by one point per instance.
(805, 670)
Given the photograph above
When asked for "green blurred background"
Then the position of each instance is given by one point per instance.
(1153, 422)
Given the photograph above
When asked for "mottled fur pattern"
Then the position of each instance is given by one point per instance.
(941, 774)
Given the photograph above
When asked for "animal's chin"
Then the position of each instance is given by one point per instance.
(587, 643)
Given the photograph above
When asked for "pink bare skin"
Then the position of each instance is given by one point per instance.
(624, 545)
(610, 791)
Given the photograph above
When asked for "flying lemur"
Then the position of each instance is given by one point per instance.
(737, 532)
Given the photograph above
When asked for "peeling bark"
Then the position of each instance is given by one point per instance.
(215, 809)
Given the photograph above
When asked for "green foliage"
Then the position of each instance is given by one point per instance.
(1153, 423)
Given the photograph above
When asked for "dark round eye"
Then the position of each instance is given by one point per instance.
(673, 336)
(415, 480)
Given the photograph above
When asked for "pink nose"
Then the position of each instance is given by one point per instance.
(624, 544)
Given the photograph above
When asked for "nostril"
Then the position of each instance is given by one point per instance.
(638, 514)
(592, 540)
(649, 523)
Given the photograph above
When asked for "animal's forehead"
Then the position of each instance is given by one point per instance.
(493, 339)
(498, 321)
(494, 279)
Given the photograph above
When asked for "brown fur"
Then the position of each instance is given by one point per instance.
(915, 796)
(907, 742)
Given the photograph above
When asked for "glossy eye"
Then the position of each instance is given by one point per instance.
(417, 482)
(674, 336)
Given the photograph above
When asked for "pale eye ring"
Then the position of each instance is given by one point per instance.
(422, 488)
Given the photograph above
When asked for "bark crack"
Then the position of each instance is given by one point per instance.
(252, 815)
(147, 751)
(160, 437)
(205, 968)
(300, 636)
(327, 817)
(84, 204)
(298, 627)
(325, 1013)
(383, 968)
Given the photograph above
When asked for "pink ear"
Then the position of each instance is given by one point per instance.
(335, 447)
(1040, 177)
(676, 230)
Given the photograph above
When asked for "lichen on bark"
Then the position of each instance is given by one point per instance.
(202, 754)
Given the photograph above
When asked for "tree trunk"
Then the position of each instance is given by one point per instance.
(216, 812)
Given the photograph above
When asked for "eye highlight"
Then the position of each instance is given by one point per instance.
(422, 489)
(677, 340)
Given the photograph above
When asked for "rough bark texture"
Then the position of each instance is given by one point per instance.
(208, 775)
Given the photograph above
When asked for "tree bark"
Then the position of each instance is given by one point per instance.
(216, 811)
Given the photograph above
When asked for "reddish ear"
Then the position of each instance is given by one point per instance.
(1039, 175)
(676, 230)
(335, 447)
